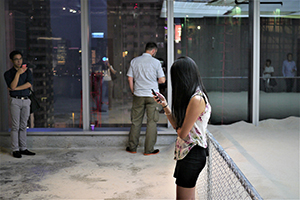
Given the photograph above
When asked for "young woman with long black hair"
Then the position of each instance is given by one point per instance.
(189, 115)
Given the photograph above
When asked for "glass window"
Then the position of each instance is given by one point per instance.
(48, 34)
(125, 29)
(218, 47)
(218, 40)
(280, 84)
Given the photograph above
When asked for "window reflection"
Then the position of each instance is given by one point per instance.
(127, 27)
(219, 45)
(48, 34)
(49, 37)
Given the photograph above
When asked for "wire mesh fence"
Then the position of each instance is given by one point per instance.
(221, 179)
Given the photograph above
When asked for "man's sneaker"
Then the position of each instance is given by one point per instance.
(17, 154)
(156, 151)
(27, 152)
(128, 150)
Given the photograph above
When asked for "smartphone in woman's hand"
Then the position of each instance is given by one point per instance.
(154, 93)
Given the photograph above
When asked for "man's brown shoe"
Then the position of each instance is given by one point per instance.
(128, 150)
(156, 151)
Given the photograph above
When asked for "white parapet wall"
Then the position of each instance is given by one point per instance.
(85, 139)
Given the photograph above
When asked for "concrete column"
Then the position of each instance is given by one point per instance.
(3, 55)
(254, 59)
(170, 47)
(85, 62)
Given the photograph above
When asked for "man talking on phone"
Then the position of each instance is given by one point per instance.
(145, 73)
(19, 80)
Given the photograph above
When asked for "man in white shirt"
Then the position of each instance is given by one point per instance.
(289, 70)
(145, 73)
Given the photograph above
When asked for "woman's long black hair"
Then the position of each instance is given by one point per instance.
(185, 78)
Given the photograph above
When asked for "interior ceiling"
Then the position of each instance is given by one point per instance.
(236, 8)
(197, 8)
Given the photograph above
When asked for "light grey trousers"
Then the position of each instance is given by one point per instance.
(20, 111)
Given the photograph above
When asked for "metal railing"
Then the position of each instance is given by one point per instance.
(221, 179)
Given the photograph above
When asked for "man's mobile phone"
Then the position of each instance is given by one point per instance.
(154, 93)
(24, 65)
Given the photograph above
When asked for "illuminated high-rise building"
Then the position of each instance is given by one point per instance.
(33, 36)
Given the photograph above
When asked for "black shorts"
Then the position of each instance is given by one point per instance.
(188, 169)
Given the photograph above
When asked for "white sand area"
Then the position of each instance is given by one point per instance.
(268, 154)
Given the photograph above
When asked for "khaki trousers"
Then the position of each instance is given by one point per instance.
(139, 106)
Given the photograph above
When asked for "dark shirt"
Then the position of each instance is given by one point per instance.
(24, 78)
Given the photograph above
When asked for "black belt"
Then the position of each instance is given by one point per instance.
(17, 97)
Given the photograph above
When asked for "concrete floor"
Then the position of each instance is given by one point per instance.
(268, 155)
(102, 173)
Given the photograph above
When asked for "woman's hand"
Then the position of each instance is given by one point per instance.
(162, 101)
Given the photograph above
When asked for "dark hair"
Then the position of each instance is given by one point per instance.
(150, 46)
(13, 53)
(289, 54)
(269, 60)
(185, 78)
